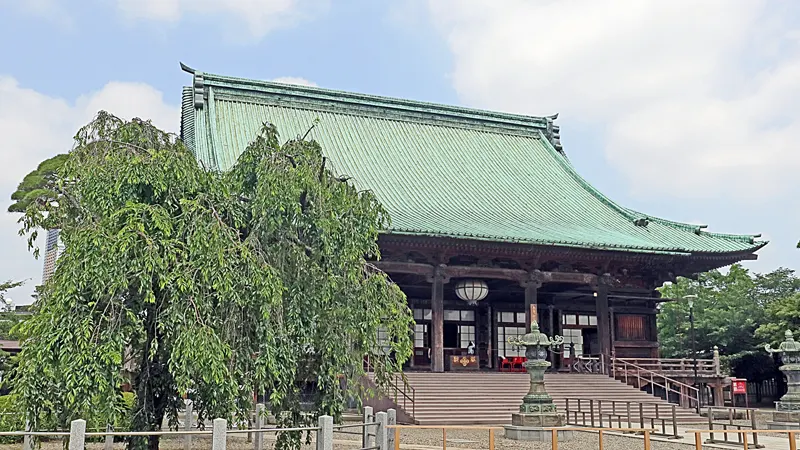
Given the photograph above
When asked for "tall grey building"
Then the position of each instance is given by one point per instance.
(53, 249)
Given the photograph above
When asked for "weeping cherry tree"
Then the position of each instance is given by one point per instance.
(204, 284)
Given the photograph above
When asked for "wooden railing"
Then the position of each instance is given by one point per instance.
(623, 412)
(627, 371)
(556, 434)
(397, 388)
(677, 367)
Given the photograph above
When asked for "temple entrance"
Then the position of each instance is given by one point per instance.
(451, 335)
(580, 336)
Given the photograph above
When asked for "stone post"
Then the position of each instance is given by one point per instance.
(381, 440)
(787, 409)
(219, 432)
(258, 442)
(325, 433)
(77, 434)
(188, 424)
(717, 369)
(366, 440)
(27, 441)
(109, 444)
(391, 420)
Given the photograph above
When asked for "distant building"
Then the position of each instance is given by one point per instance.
(53, 249)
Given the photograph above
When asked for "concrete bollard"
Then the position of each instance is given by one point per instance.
(325, 433)
(380, 434)
(366, 436)
(188, 424)
(219, 438)
(77, 434)
(391, 420)
(27, 440)
(109, 444)
(258, 442)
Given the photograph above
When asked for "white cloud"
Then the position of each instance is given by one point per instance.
(34, 127)
(695, 98)
(51, 10)
(294, 80)
(258, 16)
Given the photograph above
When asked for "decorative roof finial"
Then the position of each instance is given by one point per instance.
(186, 68)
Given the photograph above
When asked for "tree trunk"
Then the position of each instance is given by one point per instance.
(154, 387)
(152, 442)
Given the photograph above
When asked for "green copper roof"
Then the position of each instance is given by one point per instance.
(439, 170)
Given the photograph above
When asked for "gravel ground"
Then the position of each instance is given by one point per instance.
(421, 439)
(418, 440)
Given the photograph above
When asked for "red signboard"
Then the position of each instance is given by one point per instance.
(739, 386)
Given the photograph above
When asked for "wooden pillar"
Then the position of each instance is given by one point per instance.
(438, 281)
(552, 330)
(652, 319)
(717, 393)
(603, 326)
(531, 284)
(612, 329)
(492, 338)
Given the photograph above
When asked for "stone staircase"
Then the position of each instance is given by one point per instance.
(489, 398)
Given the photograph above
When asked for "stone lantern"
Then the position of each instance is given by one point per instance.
(537, 410)
(787, 409)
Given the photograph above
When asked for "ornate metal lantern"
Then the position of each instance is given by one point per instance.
(537, 409)
(790, 356)
(472, 291)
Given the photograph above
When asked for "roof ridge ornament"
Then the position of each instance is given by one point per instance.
(554, 133)
(186, 68)
(198, 85)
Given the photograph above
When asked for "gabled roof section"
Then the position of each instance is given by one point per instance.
(439, 170)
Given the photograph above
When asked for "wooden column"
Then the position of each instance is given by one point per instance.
(438, 281)
(603, 326)
(532, 283)
(492, 330)
(612, 329)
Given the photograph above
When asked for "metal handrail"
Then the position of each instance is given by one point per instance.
(652, 380)
(587, 364)
(409, 394)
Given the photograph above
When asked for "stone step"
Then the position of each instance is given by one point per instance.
(489, 398)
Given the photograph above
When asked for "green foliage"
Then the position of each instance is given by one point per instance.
(217, 285)
(782, 315)
(726, 314)
(5, 286)
(8, 319)
(38, 186)
(737, 311)
(8, 325)
(12, 418)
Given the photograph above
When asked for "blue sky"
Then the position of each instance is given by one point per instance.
(679, 110)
